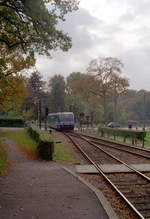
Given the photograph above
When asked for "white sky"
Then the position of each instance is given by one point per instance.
(117, 28)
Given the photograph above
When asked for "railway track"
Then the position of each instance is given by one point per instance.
(119, 146)
(133, 188)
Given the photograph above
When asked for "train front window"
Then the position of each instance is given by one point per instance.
(66, 117)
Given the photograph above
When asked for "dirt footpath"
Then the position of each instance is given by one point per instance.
(39, 190)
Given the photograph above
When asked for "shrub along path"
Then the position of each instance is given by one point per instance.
(37, 190)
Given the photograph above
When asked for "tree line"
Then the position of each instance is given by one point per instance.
(94, 93)
(137, 106)
(30, 27)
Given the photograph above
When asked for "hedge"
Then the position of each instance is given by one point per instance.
(45, 142)
(140, 135)
(34, 132)
(11, 122)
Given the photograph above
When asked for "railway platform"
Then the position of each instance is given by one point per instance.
(112, 168)
(37, 190)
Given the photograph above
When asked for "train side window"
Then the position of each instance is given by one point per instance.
(58, 118)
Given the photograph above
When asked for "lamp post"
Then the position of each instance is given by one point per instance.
(46, 114)
(144, 111)
(39, 113)
(37, 102)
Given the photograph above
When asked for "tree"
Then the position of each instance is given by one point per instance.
(78, 94)
(119, 86)
(100, 71)
(103, 71)
(15, 64)
(75, 104)
(73, 80)
(13, 92)
(121, 115)
(36, 83)
(57, 93)
(32, 25)
(136, 106)
(35, 86)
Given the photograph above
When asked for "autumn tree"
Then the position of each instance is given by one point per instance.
(13, 92)
(32, 25)
(29, 27)
(76, 85)
(102, 72)
(57, 93)
(119, 86)
(136, 105)
(15, 64)
(80, 99)
(73, 80)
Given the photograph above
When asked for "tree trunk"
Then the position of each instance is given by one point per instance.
(115, 107)
(105, 109)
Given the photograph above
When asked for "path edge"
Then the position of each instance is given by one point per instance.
(107, 207)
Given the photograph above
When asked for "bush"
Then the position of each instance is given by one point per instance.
(34, 132)
(46, 149)
(140, 135)
(44, 140)
(11, 122)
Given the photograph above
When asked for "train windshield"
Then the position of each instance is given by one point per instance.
(66, 117)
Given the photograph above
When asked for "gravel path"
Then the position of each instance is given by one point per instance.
(38, 190)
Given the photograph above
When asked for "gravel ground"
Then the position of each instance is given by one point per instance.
(121, 208)
(102, 158)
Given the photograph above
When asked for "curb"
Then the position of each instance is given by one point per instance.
(110, 212)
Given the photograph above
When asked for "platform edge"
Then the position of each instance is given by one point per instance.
(107, 207)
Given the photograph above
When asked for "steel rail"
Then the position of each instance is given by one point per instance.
(104, 142)
(120, 149)
(114, 157)
(114, 142)
(101, 171)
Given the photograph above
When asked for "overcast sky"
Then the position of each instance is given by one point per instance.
(117, 28)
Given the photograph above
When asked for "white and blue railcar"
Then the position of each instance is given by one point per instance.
(61, 121)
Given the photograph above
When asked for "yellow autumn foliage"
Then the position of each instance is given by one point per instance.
(13, 83)
(13, 91)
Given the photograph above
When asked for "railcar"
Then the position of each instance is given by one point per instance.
(61, 121)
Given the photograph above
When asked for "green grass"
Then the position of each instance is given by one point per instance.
(62, 154)
(24, 142)
(147, 139)
(3, 160)
(119, 139)
(29, 146)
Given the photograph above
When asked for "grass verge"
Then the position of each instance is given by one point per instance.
(62, 153)
(147, 139)
(24, 142)
(3, 160)
(120, 139)
(29, 146)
